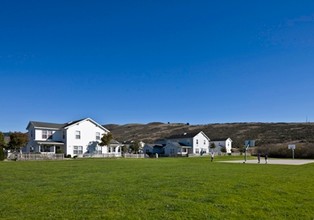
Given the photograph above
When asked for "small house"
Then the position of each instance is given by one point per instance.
(222, 142)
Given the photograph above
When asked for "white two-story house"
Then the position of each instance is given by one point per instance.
(222, 142)
(74, 138)
(195, 143)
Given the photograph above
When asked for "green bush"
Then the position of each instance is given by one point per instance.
(305, 151)
(1, 154)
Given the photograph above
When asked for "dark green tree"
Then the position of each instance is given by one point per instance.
(2, 142)
(2, 146)
(124, 149)
(135, 146)
(105, 139)
(223, 149)
(212, 146)
(17, 140)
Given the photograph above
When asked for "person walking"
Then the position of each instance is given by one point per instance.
(212, 155)
(266, 158)
(258, 158)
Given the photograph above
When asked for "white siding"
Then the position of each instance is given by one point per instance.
(87, 136)
(171, 149)
(200, 144)
(66, 138)
(228, 145)
(223, 143)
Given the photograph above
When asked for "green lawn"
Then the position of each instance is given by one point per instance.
(164, 188)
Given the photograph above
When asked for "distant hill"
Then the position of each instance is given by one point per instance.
(263, 133)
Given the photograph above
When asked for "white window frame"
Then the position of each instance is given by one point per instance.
(97, 136)
(50, 133)
(77, 135)
(77, 149)
(44, 134)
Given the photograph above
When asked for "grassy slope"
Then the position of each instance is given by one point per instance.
(165, 188)
(264, 133)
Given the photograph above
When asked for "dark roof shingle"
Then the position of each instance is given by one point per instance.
(38, 124)
(183, 135)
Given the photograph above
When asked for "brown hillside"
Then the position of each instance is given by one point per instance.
(263, 133)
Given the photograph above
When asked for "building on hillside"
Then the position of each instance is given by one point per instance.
(173, 149)
(222, 142)
(193, 143)
(74, 138)
(114, 146)
(152, 149)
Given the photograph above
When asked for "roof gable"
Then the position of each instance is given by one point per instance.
(69, 124)
(221, 139)
(186, 135)
(47, 125)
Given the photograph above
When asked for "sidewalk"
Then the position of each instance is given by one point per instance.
(273, 161)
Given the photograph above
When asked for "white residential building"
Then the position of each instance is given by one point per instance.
(222, 142)
(74, 138)
(195, 143)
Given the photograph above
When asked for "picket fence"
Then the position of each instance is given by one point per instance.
(39, 156)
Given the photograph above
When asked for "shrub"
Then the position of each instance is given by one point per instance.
(302, 151)
(1, 154)
(59, 151)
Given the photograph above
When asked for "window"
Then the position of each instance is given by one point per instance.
(98, 152)
(197, 150)
(77, 150)
(172, 151)
(77, 135)
(196, 141)
(44, 134)
(49, 134)
(97, 136)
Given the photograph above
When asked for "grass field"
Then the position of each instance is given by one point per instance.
(164, 188)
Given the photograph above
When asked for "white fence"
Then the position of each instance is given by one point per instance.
(113, 155)
(37, 156)
(134, 155)
(108, 155)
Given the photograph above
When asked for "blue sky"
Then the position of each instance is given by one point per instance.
(145, 61)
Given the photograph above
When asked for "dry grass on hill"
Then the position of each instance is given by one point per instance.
(263, 133)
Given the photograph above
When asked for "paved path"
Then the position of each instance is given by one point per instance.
(273, 161)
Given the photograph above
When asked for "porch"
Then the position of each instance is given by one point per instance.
(48, 147)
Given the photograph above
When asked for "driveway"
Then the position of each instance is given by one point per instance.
(273, 161)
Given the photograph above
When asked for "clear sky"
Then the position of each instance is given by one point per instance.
(145, 61)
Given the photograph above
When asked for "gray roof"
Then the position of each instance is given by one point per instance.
(184, 135)
(113, 141)
(59, 143)
(183, 144)
(48, 125)
(73, 122)
(219, 139)
(38, 124)
(180, 145)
